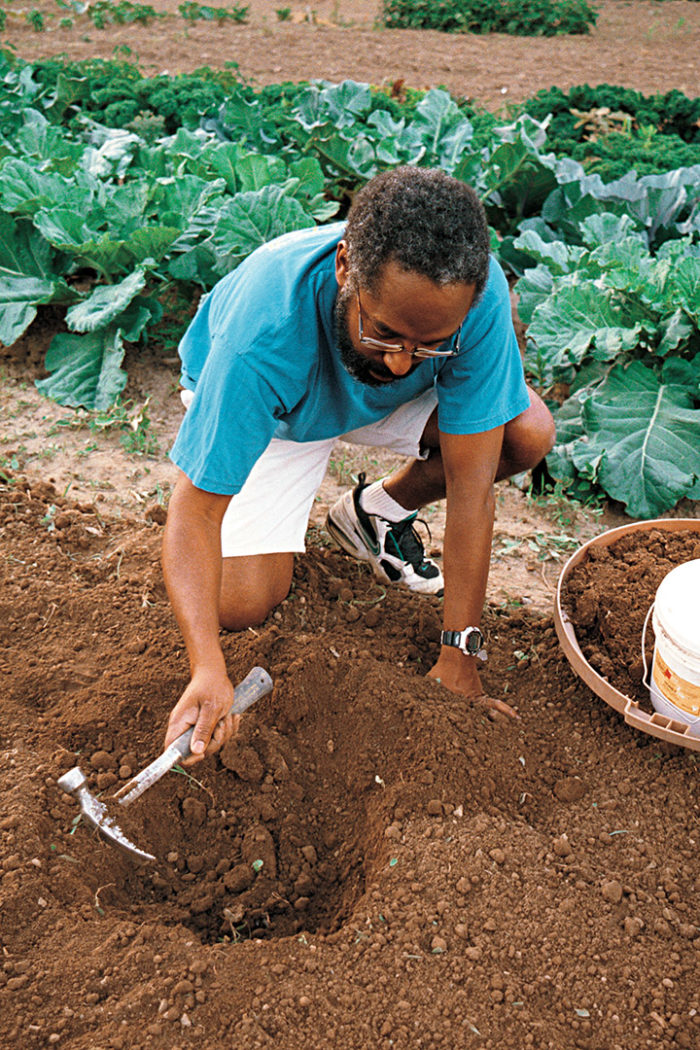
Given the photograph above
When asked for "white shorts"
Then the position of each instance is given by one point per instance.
(270, 514)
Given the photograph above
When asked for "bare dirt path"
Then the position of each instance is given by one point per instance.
(639, 44)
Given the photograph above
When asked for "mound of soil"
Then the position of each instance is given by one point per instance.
(608, 595)
(374, 863)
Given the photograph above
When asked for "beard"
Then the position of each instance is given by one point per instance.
(358, 366)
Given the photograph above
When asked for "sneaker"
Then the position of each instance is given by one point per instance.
(393, 548)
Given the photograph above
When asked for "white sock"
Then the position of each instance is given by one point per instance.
(376, 500)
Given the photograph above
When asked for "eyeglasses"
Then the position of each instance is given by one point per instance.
(399, 348)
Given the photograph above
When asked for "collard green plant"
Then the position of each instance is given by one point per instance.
(107, 223)
(192, 11)
(518, 17)
(621, 327)
(120, 12)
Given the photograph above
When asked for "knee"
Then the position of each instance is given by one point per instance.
(543, 434)
(529, 437)
(243, 616)
(248, 599)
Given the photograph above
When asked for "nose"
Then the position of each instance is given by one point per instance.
(399, 363)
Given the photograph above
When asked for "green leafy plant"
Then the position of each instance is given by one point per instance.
(131, 420)
(191, 11)
(105, 12)
(620, 327)
(3, 18)
(283, 14)
(612, 130)
(110, 224)
(35, 19)
(518, 17)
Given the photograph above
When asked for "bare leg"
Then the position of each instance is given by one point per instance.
(251, 587)
(526, 441)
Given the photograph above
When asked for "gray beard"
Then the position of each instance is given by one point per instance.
(355, 364)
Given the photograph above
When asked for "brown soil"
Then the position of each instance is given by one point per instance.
(641, 44)
(428, 879)
(609, 594)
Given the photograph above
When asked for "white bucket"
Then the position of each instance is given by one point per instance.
(675, 674)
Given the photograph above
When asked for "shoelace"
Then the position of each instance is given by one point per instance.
(407, 541)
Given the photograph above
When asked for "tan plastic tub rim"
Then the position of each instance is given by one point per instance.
(655, 723)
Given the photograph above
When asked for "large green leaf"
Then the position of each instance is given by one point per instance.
(24, 189)
(687, 287)
(123, 207)
(23, 250)
(107, 253)
(16, 317)
(199, 264)
(336, 104)
(355, 157)
(580, 315)
(85, 369)
(253, 218)
(177, 200)
(47, 144)
(27, 278)
(105, 303)
(559, 258)
(645, 430)
(310, 189)
(442, 128)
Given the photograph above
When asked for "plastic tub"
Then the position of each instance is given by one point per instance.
(657, 723)
(674, 686)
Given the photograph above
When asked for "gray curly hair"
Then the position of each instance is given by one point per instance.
(426, 221)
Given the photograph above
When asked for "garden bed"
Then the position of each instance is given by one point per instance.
(429, 879)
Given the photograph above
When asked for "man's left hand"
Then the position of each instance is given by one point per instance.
(459, 673)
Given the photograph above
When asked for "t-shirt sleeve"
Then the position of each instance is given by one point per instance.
(484, 385)
(226, 429)
(236, 377)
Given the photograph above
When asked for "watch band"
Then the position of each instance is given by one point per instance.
(470, 641)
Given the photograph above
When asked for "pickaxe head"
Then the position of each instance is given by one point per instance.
(95, 812)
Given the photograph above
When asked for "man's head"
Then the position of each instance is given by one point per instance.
(413, 261)
(423, 220)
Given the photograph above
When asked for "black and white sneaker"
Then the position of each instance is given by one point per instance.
(393, 548)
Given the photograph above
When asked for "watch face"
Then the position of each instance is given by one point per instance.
(473, 641)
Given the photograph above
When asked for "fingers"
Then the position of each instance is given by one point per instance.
(225, 730)
(204, 708)
(497, 710)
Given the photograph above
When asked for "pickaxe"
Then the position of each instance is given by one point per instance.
(255, 685)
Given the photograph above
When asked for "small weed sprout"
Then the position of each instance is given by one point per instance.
(191, 11)
(132, 420)
(35, 19)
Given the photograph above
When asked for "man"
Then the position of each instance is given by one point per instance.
(393, 329)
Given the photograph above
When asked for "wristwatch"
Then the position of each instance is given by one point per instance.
(470, 641)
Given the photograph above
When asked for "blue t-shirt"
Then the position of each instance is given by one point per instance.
(261, 358)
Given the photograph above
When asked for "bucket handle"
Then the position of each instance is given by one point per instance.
(645, 679)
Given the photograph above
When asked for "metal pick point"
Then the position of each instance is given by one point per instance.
(95, 812)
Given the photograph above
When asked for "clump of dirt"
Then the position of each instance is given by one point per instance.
(608, 595)
(372, 863)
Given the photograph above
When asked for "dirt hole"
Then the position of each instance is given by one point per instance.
(278, 833)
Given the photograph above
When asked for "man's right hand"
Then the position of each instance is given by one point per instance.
(204, 704)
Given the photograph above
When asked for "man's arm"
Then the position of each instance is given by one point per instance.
(470, 462)
(192, 571)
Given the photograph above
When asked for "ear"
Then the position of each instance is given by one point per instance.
(341, 264)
